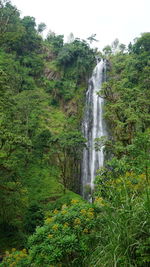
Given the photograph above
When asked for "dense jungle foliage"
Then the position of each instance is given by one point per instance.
(43, 219)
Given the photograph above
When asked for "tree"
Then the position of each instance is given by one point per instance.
(8, 15)
(11, 30)
(122, 48)
(142, 44)
(107, 50)
(56, 41)
(68, 147)
(140, 153)
(41, 27)
(92, 38)
(77, 59)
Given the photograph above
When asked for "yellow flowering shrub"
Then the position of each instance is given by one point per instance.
(55, 227)
(15, 258)
(99, 201)
(64, 207)
(64, 211)
(131, 182)
(49, 220)
(91, 209)
(62, 240)
(50, 236)
(74, 201)
(66, 225)
(83, 211)
(90, 214)
(77, 221)
(55, 211)
(85, 230)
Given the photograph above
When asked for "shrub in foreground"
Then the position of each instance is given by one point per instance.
(66, 237)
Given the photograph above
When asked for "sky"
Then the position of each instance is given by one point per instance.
(108, 19)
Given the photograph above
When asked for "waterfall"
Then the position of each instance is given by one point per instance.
(93, 127)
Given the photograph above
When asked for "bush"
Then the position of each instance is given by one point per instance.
(15, 258)
(66, 237)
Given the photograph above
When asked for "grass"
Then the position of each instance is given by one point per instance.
(44, 186)
(43, 183)
(124, 233)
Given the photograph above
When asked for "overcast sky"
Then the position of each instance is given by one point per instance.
(109, 19)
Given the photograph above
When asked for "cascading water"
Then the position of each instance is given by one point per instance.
(93, 127)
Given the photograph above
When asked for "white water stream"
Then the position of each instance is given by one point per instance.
(93, 127)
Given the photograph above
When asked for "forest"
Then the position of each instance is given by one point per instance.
(44, 220)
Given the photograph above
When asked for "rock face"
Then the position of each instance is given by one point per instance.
(93, 127)
(51, 74)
